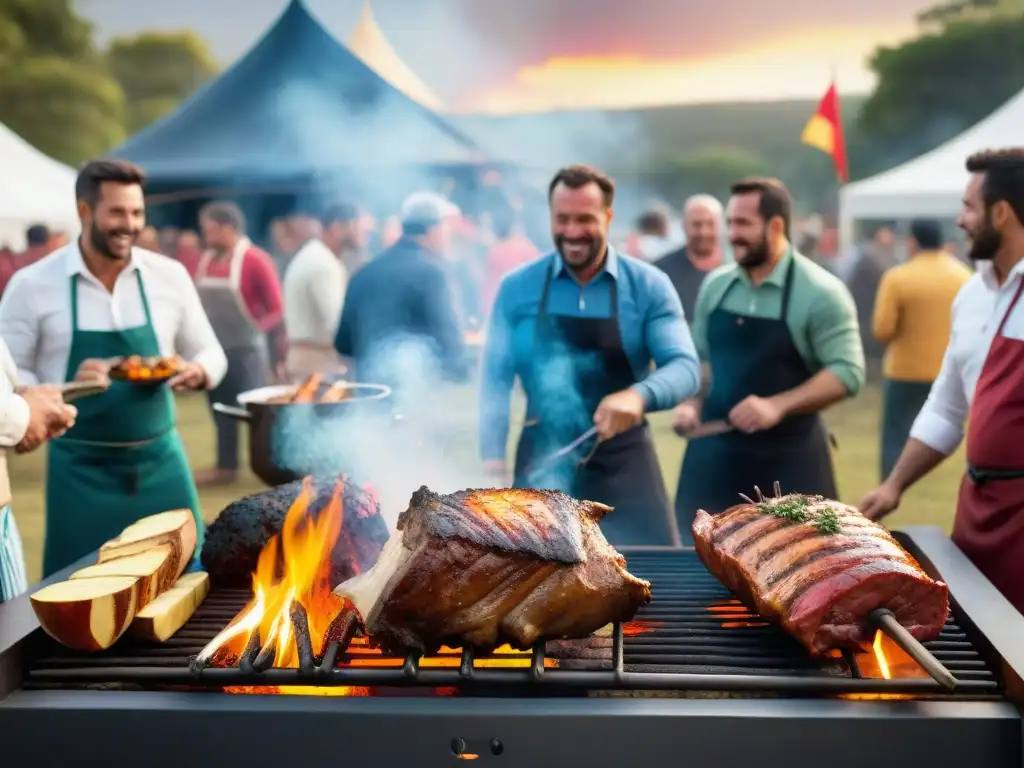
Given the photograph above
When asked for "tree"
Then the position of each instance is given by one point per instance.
(157, 71)
(935, 86)
(66, 111)
(54, 90)
(710, 170)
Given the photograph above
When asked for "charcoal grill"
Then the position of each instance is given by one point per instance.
(696, 679)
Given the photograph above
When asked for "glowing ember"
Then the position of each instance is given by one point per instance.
(302, 551)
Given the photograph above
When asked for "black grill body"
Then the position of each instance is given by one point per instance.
(706, 684)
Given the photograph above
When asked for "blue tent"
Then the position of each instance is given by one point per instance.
(298, 109)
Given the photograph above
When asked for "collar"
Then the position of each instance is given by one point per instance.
(75, 264)
(777, 277)
(988, 274)
(240, 249)
(611, 265)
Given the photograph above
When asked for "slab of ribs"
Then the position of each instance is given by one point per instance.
(818, 568)
(488, 567)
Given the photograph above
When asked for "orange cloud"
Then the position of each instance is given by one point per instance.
(797, 66)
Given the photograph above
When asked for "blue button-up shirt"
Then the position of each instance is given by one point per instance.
(651, 323)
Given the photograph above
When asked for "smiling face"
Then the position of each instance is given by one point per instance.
(117, 219)
(579, 224)
(748, 231)
(983, 239)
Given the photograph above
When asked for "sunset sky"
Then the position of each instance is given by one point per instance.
(533, 55)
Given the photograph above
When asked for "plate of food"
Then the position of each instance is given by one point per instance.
(146, 370)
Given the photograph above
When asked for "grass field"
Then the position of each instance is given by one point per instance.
(855, 425)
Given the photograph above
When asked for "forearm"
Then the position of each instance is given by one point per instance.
(814, 395)
(916, 461)
(667, 386)
(495, 416)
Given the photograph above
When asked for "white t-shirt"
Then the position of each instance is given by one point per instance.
(314, 292)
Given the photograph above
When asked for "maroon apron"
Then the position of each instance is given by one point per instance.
(989, 524)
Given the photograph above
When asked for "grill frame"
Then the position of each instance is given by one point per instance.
(693, 650)
(111, 728)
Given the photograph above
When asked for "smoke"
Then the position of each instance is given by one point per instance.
(425, 435)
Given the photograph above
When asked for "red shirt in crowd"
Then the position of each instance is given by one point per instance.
(504, 257)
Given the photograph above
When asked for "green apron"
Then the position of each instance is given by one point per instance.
(123, 459)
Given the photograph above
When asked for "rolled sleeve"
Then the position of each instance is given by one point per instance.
(676, 376)
(835, 336)
(940, 424)
(14, 418)
(497, 377)
(195, 339)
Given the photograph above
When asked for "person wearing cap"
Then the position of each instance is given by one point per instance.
(401, 304)
(315, 284)
(580, 329)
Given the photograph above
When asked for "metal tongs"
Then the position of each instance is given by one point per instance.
(561, 453)
(73, 390)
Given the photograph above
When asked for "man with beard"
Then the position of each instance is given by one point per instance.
(580, 328)
(779, 334)
(69, 317)
(241, 293)
(688, 266)
(980, 382)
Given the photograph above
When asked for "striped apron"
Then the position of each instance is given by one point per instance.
(13, 580)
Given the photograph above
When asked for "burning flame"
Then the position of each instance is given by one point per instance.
(303, 550)
(879, 651)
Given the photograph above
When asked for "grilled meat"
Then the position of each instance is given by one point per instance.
(235, 539)
(819, 568)
(487, 567)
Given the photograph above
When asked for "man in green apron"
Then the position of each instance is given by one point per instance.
(75, 313)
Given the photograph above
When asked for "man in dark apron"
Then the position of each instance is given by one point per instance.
(765, 385)
(241, 293)
(580, 328)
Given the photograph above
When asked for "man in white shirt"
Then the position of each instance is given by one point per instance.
(28, 417)
(981, 382)
(314, 292)
(69, 317)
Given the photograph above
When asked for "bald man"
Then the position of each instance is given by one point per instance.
(702, 221)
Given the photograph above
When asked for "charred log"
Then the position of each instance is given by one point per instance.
(303, 641)
(236, 538)
(247, 661)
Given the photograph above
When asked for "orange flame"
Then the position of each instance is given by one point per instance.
(303, 551)
(879, 651)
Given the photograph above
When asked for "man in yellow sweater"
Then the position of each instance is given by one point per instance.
(912, 318)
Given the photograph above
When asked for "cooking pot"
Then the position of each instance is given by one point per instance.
(273, 427)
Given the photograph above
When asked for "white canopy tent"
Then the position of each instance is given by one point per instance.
(932, 184)
(370, 45)
(34, 189)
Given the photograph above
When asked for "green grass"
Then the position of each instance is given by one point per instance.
(855, 425)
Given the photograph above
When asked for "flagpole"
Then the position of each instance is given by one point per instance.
(834, 82)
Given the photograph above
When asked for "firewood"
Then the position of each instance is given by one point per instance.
(87, 614)
(340, 632)
(252, 650)
(303, 641)
(163, 617)
(177, 528)
(154, 569)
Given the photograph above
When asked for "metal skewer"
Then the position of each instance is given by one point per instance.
(886, 622)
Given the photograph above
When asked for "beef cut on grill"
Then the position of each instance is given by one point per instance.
(235, 539)
(818, 568)
(486, 567)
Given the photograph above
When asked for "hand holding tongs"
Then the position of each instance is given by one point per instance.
(561, 453)
(73, 390)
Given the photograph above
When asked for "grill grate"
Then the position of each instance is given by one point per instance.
(693, 636)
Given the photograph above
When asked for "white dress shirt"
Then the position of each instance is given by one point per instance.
(14, 411)
(978, 310)
(36, 323)
(314, 292)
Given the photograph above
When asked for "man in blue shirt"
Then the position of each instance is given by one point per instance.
(399, 326)
(580, 328)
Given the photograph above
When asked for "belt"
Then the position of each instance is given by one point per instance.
(981, 476)
(105, 444)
